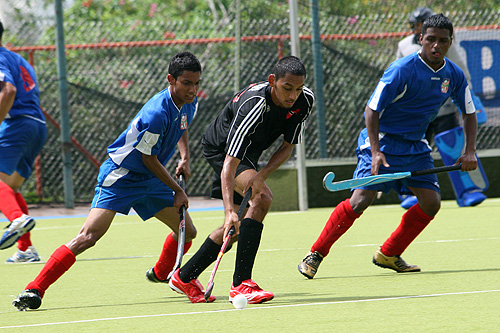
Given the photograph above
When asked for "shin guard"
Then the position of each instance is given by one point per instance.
(466, 185)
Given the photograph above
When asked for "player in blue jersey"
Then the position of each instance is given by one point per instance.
(445, 130)
(134, 176)
(232, 144)
(22, 135)
(405, 101)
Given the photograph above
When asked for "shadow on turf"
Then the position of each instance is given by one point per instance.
(43, 262)
(168, 299)
(280, 299)
(462, 271)
(301, 298)
(389, 272)
(287, 296)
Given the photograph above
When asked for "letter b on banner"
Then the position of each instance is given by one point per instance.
(484, 69)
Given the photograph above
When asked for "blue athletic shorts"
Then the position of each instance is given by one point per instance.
(398, 163)
(146, 194)
(21, 140)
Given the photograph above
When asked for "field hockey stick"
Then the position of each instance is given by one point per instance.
(241, 210)
(329, 185)
(181, 237)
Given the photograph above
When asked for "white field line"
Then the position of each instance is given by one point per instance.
(275, 250)
(255, 308)
(432, 241)
(448, 203)
(116, 223)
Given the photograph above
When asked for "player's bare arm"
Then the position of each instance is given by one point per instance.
(228, 183)
(372, 126)
(468, 158)
(151, 162)
(183, 165)
(7, 96)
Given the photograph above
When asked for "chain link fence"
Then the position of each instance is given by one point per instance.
(112, 70)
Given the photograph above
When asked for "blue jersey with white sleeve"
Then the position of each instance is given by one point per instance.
(15, 70)
(410, 94)
(155, 130)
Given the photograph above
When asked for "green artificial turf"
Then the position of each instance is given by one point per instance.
(106, 290)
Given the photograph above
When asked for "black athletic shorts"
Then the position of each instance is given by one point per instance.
(216, 159)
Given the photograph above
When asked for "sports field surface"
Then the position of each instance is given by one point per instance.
(106, 290)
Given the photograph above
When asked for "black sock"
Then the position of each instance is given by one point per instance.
(206, 255)
(248, 245)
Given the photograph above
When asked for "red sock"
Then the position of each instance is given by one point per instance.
(25, 241)
(59, 262)
(412, 224)
(22, 203)
(167, 258)
(8, 205)
(339, 222)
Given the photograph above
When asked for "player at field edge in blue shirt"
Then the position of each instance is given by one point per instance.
(407, 98)
(134, 176)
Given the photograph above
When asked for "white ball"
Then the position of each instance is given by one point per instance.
(240, 301)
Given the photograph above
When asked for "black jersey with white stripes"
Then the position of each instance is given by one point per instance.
(251, 122)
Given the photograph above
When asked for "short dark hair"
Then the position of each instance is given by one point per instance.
(289, 64)
(1, 30)
(183, 61)
(437, 21)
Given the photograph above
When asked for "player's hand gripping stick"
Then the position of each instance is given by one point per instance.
(181, 237)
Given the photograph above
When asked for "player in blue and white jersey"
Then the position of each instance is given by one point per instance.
(134, 176)
(445, 130)
(405, 101)
(22, 135)
(232, 144)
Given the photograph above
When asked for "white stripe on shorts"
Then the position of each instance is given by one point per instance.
(113, 176)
